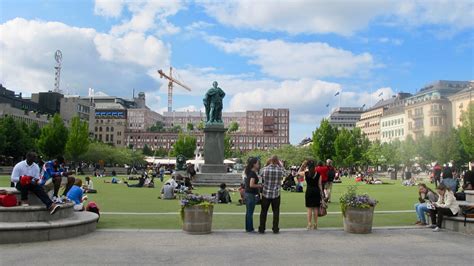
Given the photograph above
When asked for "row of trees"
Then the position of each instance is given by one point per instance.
(17, 138)
(352, 148)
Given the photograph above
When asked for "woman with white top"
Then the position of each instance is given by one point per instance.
(445, 206)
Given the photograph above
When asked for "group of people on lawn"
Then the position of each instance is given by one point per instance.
(27, 176)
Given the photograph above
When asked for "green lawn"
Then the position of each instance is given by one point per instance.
(120, 198)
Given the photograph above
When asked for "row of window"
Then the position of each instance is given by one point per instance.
(393, 133)
(393, 122)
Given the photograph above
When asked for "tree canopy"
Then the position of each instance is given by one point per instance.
(53, 138)
(78, 139)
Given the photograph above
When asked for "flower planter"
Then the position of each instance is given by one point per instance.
(197, 219)
(358, 220)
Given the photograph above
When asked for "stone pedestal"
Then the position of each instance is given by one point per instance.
(214, 149)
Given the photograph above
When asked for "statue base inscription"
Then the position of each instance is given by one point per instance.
(214, 149)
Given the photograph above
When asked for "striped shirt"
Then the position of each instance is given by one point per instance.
(272, 176)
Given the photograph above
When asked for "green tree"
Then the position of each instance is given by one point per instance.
(454, 148)
(13, 140)
(53, 138)
(185, 145)
(233, 127)
(147, 151)
(157, 127)
(78, 139)
(359, 146)
(423, 149)
(466, 131)
(374, 154)
(343, 144)
(200, 126)
(408, 151)
(190, 127)
(176, 129)
(323, 140)
(227, 146)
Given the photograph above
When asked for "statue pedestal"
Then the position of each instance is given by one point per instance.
(214, 149)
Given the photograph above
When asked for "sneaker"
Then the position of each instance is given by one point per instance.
(25, 205)
(65, 199)
(423, 224)
(53, 209)
(432, 226)
(436, 229)
(418, 222)
(57, 200)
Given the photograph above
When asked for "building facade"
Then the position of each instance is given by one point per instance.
(345, 117)
(71, 106)
(430, 112)
(392, 125)
(459, 104)
(370, 120)
(140, 120)
(29, 117)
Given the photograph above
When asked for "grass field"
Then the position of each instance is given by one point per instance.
(124, 207)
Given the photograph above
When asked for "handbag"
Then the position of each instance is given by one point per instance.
(322, 210)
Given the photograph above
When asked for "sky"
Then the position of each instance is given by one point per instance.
(295, 54)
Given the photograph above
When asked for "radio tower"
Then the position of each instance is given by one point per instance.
(58, 56)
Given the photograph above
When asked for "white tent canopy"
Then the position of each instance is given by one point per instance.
(162, 161)
(201, 161)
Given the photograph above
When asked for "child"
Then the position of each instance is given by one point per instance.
(75, 194)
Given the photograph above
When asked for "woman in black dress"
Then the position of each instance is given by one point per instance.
(313, 192)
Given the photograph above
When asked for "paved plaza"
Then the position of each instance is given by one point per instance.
(291, 247)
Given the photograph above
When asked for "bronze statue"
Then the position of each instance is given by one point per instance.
(213, 104)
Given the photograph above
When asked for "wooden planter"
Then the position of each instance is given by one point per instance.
(358, 220)
(198, 220)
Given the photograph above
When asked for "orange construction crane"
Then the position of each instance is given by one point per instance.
(171, 80)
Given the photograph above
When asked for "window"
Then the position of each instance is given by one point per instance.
(100, 129)
(107, 129)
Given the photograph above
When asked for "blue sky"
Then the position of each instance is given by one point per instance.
(289, 54)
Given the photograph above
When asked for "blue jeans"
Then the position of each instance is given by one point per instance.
(421, 208)
(250, 203)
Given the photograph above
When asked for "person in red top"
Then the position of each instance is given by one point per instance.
(322, 170)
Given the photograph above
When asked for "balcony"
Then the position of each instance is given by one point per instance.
(418, 129)
(438, 112)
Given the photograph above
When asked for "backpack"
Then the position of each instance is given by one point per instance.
(467, 212)
(92, 207)
(331, 174)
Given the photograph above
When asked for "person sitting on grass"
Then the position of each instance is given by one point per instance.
(76, 195)
(114, 180)
(141, 182)
(167, 192)
(25, 176)
(223, 195)
(426, 197)
(89, 186)
(445, 206)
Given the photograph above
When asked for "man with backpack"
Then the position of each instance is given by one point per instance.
(331, 177)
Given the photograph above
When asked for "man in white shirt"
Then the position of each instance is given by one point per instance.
(26, 175)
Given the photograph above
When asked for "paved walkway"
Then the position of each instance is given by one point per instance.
(290, 247)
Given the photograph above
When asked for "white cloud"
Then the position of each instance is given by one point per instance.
(282, 59)
(114, 65)
(146, 16)
(108, 8)
(306, 99)
(340, 17)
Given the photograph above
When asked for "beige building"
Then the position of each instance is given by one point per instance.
(71, 106)
(29, 117)
(392, 125)
(429, 112)
(459, 104)
(345, 117)
(370, 120)
(142, 119)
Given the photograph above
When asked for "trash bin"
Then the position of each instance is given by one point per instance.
(393, 175)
